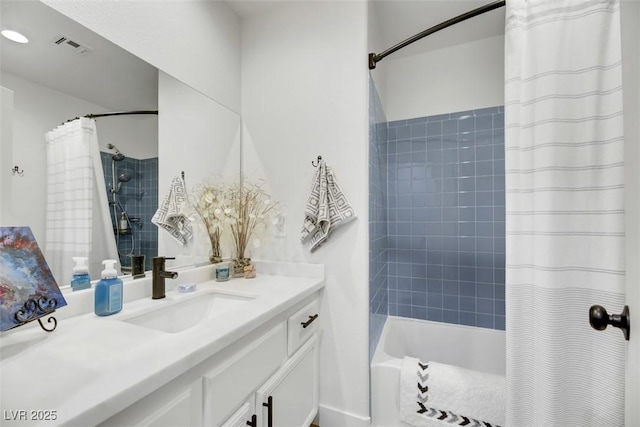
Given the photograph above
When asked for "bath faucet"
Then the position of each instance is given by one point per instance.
(159, 274)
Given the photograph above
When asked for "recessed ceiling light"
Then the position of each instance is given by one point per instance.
(15, 36)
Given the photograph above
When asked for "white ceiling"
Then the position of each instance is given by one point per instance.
(108, 76)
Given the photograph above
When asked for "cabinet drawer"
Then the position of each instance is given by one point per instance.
(302, 324)
(235, 379)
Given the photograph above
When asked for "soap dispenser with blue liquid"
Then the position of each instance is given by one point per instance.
(80, 279)
(108, 293)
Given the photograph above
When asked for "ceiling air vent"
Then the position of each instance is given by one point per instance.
(76, 47)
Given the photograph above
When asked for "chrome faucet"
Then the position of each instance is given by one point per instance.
(159, 274)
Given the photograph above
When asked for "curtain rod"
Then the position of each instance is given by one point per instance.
(116, 113)
(375, 58)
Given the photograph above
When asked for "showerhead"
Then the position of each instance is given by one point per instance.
(118, 156)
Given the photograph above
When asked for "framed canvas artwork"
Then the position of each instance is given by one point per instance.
(28, 290)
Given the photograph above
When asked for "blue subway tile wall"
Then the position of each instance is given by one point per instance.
(139, 198)
(378, 293)
(446, 213)
(148, 205)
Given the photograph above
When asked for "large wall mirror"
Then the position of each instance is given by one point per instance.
(65, 71)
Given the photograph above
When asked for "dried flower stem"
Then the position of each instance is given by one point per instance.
(252, 205)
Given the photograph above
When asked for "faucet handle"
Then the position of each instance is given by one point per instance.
(167, 257)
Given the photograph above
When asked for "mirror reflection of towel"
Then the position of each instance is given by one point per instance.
(327, 208)
(169, 215)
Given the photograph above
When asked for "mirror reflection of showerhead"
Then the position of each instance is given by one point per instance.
(124, 177)
(118, 156)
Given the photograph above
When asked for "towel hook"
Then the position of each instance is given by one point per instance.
(17, 170)
(318, 162)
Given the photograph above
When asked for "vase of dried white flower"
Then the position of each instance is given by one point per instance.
(251, 208)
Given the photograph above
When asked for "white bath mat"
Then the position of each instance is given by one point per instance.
(436, 395)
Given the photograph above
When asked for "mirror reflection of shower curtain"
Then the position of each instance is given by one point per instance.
(78, 222)
(565, 212)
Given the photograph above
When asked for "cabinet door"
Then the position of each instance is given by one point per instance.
(169, 406)
(242, 417)
(180, 411)
(234, 381)
(290, 397)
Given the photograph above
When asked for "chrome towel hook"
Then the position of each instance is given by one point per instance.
(16, 170)
(317, 163)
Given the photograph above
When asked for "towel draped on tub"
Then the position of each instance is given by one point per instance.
(327, 208)
(437, 395)
(170, 216)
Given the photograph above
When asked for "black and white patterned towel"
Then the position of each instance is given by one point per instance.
(170, 216)
(327, 208)
(436, 395)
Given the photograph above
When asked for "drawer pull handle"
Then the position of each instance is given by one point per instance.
(253, 422)
(269, 406)
(308, 322)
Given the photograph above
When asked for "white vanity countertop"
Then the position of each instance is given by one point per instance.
(91, 367)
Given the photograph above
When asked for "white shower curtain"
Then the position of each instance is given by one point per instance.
(78, 222)
(565, 212)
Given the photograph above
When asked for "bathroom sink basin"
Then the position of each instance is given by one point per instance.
(188, 313)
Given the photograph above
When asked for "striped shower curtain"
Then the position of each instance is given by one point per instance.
(77, 216)
(565, 212)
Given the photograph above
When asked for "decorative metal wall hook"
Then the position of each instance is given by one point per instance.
(317, 163)
(17, 170)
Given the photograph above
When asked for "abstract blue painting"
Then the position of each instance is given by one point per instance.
(27, 287)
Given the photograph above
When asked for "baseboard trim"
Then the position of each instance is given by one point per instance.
(333, 417)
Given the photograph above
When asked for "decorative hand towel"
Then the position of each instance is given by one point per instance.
(436, 395)
(169, 215)
(327, 208)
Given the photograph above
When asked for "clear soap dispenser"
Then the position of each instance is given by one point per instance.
(108, 293)
(80, 279)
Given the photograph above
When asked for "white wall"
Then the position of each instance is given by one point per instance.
(458, 78)
(201, 138)
(197, 42)
(37, 110)
(630, 20)
(6, 155)
(376, 45)
(304, 94)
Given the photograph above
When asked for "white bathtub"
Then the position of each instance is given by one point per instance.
(472, 348)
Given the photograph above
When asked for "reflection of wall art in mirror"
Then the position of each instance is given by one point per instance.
(28, 290)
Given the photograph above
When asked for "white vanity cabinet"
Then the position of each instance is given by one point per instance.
(182, 410)
(290, 397)
(231, 383)
(277, 362)
(176, 404)
(244, 416)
